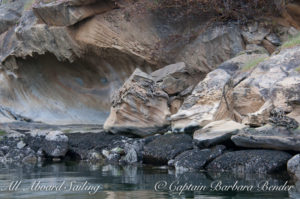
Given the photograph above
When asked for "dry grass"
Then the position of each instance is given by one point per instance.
(294, 41)
(248, 66)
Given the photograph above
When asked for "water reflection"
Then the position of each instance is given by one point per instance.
(128, 182)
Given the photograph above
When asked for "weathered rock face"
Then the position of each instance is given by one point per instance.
(251, 161)
(273, 80)
(165, 147)
(213, 47)
(216, 132)
(66, 13)
(212, 98)
(268, 137)
(104, 46)
(10, 14)
(60, 61)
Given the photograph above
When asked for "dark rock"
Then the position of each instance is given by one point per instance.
(251, 161)
(165, 147)
(196, 159)
(53, 143)
(82, 143)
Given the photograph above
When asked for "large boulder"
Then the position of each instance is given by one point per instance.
(139, 108)
(250, 161)
(216, 132)
(196, 159)
(268, 137)
(166, 147)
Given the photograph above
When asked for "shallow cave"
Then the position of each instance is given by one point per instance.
(47, 90)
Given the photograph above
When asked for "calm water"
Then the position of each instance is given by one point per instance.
(124, 182)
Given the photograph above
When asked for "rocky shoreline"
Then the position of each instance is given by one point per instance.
(175, 150)
(230, 102)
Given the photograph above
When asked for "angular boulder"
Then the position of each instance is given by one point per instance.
(268, 137)
(175, 78)
(251, 161)
(216, 133)
(139, 108)
(166, 147)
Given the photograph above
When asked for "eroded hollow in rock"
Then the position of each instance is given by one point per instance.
(57, 92)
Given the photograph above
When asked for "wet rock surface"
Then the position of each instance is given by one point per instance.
(165, 147)
(196, 159)
(81, 143)
(251, 161)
